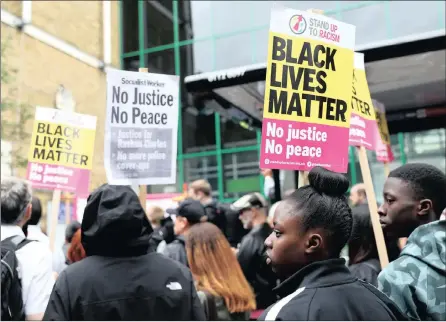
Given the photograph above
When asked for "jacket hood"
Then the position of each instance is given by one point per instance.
(427, 243)
(114, 223)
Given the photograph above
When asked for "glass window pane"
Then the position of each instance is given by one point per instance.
(198, 131)
(162, 62)
(233, 134)
(130, 25)
(166, 3)
(185, 19)
(427, 147)
(241, 173)
(131, 64)
(159, 24)
(198, 112)
(377, 168)
(202, 168)
(203, 56)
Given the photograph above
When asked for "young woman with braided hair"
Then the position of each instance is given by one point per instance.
(221, 285)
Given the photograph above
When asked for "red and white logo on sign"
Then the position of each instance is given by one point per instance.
(298, 24)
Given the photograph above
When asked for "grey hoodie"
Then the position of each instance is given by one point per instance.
(416, 281)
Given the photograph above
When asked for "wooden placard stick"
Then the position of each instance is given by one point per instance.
(143, 188)
(68, 198)
(303, 175)
(55, 204)
(303, 178)
(67, 209)
(373, 207)
(386, 169)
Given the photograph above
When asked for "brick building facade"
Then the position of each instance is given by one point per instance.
(68, 43)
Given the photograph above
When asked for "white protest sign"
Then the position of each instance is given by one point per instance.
(141, 128)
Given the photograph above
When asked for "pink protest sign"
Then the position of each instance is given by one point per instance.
(384, 152)
(363, 119)
(322, 142)
(49, 177)
(61, 151)
(306, 114)
(383, 149)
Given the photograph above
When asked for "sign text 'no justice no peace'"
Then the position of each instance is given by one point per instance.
(307, 94)
(141, 128)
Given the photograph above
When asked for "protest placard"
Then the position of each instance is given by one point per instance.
(371, 196)
(383, 129)
(61, 151)
(383, 150)
(306, 116)
(141, 128)
(363, 120)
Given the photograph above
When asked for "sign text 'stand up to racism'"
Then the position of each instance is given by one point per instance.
(61, 151)
(308, 94)
(141, 128)
(363, 120)
(383, 147)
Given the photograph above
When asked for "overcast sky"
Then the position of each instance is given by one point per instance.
(222, 17)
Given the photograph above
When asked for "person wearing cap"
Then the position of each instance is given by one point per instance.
(251, 253)
(120, 279)
(188, 213)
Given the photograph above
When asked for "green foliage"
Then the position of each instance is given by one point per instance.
(13, 127)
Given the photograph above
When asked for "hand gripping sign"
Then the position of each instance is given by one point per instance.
(306, 116)
(363, 120)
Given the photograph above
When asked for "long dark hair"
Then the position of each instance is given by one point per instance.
(362, 245)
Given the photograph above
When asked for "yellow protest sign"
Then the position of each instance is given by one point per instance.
(381, 120)
(363, 121)
(61, 150)
(61, 144)
(307, 106)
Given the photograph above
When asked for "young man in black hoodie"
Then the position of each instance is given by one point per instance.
(119, 279)
(310, 229)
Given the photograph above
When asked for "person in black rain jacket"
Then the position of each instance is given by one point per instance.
(310, 229)
(119, 279)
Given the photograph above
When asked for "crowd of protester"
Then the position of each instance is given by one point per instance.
(252, 259)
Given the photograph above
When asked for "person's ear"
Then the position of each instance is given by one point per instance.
(425, 207)
(313, 243)
(28, 212)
